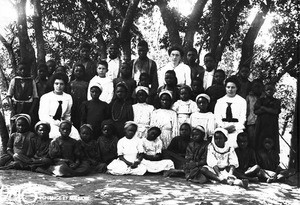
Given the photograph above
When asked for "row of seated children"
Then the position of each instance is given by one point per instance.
(202, 160)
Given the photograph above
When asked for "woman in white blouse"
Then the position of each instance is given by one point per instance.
(230, 111)
(56, 105)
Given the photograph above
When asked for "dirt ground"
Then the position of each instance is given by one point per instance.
(24, 187)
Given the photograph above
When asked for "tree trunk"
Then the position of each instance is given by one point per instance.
(125, 37)
(215, 26)
(12, 56)
(170, 22)
(37, 22)
(27, 53)
(102, 54)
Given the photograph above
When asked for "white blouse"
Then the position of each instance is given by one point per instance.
(183, 74)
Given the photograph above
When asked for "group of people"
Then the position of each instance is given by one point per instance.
(130, 118)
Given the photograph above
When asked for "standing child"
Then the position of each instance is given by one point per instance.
(78, 92)
(242, 76)
(20, 145)
(184, 107)
(222, 160)
(203, 117)
(165, 119)
(94, 111)
(129, 154)
(105, 82)
(217, 90)
(121, 109)
(66, 154)
(152, 152)
(42, 79)
(195, 156)
(254, 95)
(142, 111)
(267, 110)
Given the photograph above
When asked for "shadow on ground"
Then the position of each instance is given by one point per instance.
(22, 187)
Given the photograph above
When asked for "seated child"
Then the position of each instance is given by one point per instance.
(184, 107)
(248, 168)
(66, 154)
(204, 117)
(195, 156)
(20, 145)
(107, 142)
(152, 155)
(129, 154)
(222, 160)
(142, 111)
(268, 160)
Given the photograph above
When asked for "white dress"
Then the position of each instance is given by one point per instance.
(206, 120)
(184, 109)
(183, 74)
(129, 148)
(166, 120)
(142, 116)
(153, 148)
(48, 106)
(239, 109)
(107, 86)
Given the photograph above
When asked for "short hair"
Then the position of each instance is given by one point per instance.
(186, 124)
(210, 55)
(172, 72)
(143, 43)
(176, 48)
(80, 65)
(156, 129)
(85, 45)
(51, 61)
(123, 85)
(233, 79)
(145, 75)
(242, 134)
(193, 50)
(220, 71)
(186, 87)
(42, 67)
(103, 62)
(59, 76)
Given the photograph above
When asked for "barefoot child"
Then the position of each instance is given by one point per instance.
(222, 160)
(129, 154)
(152, 152)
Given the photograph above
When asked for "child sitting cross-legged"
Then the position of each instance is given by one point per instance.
(129, 154)
(152, 155)
(222, 160)
(195, 156)
(66, 154)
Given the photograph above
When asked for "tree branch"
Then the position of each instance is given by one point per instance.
(65, 32)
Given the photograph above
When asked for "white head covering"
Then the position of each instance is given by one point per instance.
(203, 95)
(199, 127)
(128, 123)
(42, 123)
(98, 85)
(88, 126)
(224, 149)
(24, 116)
(138, 88)
(165, 92)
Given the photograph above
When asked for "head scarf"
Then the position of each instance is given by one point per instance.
(88, 126)
(199, 127)
(23, 116)
(42, 123)
(128, 123)
(143, 88)
(220, 150)
(203, 96)
(98, 85)
(165, 92)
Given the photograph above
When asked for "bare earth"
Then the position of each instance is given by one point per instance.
(24, 187)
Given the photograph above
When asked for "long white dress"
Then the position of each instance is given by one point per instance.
(142, 116)
(206, 120)
(153, 148)
(48, 106)
(184, 109)
(166, 120)
(129, 148)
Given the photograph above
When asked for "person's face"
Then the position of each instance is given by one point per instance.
(141, 96)
(125, 71)
(65, 129)
(175, 57)
(242, 142)
(22, 71)
(84, 53)
(95, 93)
(196, 86)
(191, 57)
(106, 130)
(231, 89)
(244, 72)
(130, 131)
(165, 101)
(21, 125)
(197, 135)
(43, 73)
(152, 135)
(101, 71)
(184, 95)
(202, 104)
(185, 131)
(209, 63)
(170, 79)
(51, 67)
(269, 90)
(78, 72)
(121, 92)
(268, 145)
(85, 134)
(60, 69)
(219, 78)
(59, 86)
(42, 131)
(220, 139)
(144, 81)
(142, 52)
(257, 88)
(113, 51)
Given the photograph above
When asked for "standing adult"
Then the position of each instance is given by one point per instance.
(183, 71)
(114, 61)
(55, 106)
(230, 110)
(210, 67)
(196, 70)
